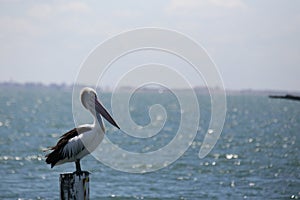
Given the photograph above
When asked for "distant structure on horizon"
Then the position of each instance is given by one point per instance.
(288, 96)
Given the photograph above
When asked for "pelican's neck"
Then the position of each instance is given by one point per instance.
(98, 121)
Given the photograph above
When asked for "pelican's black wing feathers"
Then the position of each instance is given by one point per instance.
(57, 155)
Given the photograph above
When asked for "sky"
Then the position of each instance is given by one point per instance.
(255, 44)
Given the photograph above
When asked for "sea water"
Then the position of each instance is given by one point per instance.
(256, 157)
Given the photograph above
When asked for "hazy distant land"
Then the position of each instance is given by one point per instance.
(199, 89)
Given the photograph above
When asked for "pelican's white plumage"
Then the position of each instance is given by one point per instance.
(80, 141)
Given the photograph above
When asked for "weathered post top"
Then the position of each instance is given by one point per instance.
(74, 186)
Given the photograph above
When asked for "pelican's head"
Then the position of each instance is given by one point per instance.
(90, 102)
(88, 97)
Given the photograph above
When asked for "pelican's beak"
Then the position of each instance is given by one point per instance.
(100, 109)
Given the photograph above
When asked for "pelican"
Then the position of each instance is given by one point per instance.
(80, 141)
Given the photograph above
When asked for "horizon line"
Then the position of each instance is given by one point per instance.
(107, 88)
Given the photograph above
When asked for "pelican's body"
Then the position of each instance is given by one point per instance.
(84, 139)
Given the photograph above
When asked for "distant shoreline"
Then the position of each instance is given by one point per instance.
(200, 90)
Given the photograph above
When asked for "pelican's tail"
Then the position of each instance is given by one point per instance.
(53, 157)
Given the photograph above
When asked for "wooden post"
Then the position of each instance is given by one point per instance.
(74, 186)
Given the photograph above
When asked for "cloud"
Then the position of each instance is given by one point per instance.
(188, 6)
(40, 11)
(66, 18)
(49, 10)
(41, 19)
(74, 7)
(129, 14)
(17, 26)
(37, 21)
(232, 4)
